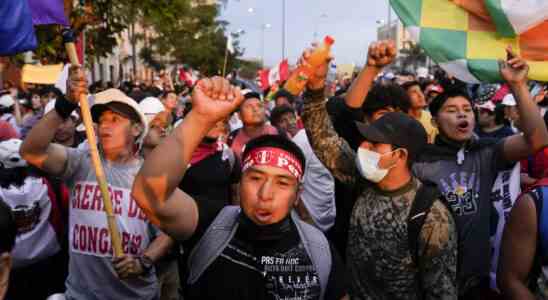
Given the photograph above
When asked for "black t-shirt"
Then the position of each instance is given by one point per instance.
(278, 268)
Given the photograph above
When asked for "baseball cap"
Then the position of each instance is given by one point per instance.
(436, 88)
(6, 101)
(397, 129)
(151, 106)
(488, 105)
(116, 101)
(9, 154)
(509, 100)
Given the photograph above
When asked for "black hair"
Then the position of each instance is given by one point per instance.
(499, 114)
(276, 141)
(286, 94)
(386, 95)
(439, 100)
(546, 118)
(278, 112)
(252, 95)
(8, 228)
(407, 85)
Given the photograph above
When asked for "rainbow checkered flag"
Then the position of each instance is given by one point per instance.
(467, 37)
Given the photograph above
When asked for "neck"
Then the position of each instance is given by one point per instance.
(68, 142)
(253, 131)
(416, 113)
(147, 151)
(396, 179)
(121, 157)
(491, 127)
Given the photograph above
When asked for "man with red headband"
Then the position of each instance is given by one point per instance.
(265, 249)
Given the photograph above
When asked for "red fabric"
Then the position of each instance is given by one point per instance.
(80, 48)
(263, 79)
(499, 95)
(284, 70)
(7, 132)
(274, 157)
(204, 151)
(57, 217)
(539, 167)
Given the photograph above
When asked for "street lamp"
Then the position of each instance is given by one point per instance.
(317, 24)
(263, 28)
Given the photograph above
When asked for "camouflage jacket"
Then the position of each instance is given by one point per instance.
(380, 263)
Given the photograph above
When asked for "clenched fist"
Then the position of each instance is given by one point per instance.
(381, 54)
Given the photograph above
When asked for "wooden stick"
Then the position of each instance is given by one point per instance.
(96, 160)
(226, 61)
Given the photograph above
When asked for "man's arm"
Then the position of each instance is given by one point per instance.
(519, 244)
(37, 148)
(535, 135)
(380, 54)
(438, 258)
(155, 186)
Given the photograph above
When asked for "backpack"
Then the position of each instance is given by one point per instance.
(424, 199)
(223, 228)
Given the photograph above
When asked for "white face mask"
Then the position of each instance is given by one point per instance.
(368, 165)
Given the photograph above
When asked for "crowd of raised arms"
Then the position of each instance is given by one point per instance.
(374, 185)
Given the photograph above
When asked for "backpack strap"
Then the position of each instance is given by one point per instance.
(213, 242)
(232, 136)
(424, 199)
(317, 247)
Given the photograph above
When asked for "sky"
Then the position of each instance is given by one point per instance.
(353, 24)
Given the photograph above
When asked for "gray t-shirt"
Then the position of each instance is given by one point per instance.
(91, 273)
(467, 188)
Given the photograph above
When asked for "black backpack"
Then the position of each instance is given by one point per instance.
(424, 199)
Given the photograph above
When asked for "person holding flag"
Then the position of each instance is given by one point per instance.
(93, 272)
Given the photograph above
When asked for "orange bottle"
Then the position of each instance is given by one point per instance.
(296, 82)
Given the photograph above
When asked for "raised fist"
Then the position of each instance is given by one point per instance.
(381, 54)
(214, 99)
(76, 84)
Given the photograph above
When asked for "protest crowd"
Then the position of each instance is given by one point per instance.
(379, 185)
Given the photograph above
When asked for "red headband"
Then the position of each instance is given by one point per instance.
(274, 157)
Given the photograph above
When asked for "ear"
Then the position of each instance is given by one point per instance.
(434, 122)
(136, 129)
(404, 154)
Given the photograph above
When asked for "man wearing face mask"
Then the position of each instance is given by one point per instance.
(382, 263)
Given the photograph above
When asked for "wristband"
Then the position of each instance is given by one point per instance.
(64, 107)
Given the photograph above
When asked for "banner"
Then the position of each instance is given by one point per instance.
(16, 30)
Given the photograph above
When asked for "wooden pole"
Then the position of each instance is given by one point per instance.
(226, 61)
(96, 160)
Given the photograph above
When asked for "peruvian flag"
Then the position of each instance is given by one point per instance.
(277, 74)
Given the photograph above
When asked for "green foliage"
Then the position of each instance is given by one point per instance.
(189, 34)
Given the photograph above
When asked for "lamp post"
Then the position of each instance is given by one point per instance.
(317, 24)
(283, 29)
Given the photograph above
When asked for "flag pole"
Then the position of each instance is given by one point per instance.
(68, 38)
(226, 61)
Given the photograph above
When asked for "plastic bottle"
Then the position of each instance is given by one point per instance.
(297, 80)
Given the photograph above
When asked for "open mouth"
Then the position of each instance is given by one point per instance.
(463, 126)
(263, 216)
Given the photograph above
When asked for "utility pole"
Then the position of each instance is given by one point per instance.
(283, 29)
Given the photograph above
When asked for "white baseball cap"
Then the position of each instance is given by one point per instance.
(509, 100)
(490, 106)
(9, 154)
(7, 100)
(151, 106)
(110, 100)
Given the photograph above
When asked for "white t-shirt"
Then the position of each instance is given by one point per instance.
(36, 238)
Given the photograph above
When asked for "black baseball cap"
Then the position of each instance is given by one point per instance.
(397, 129)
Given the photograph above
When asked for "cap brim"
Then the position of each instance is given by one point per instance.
(98, 109)
(372, 134)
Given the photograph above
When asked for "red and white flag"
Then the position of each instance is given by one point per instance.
(277, 74)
